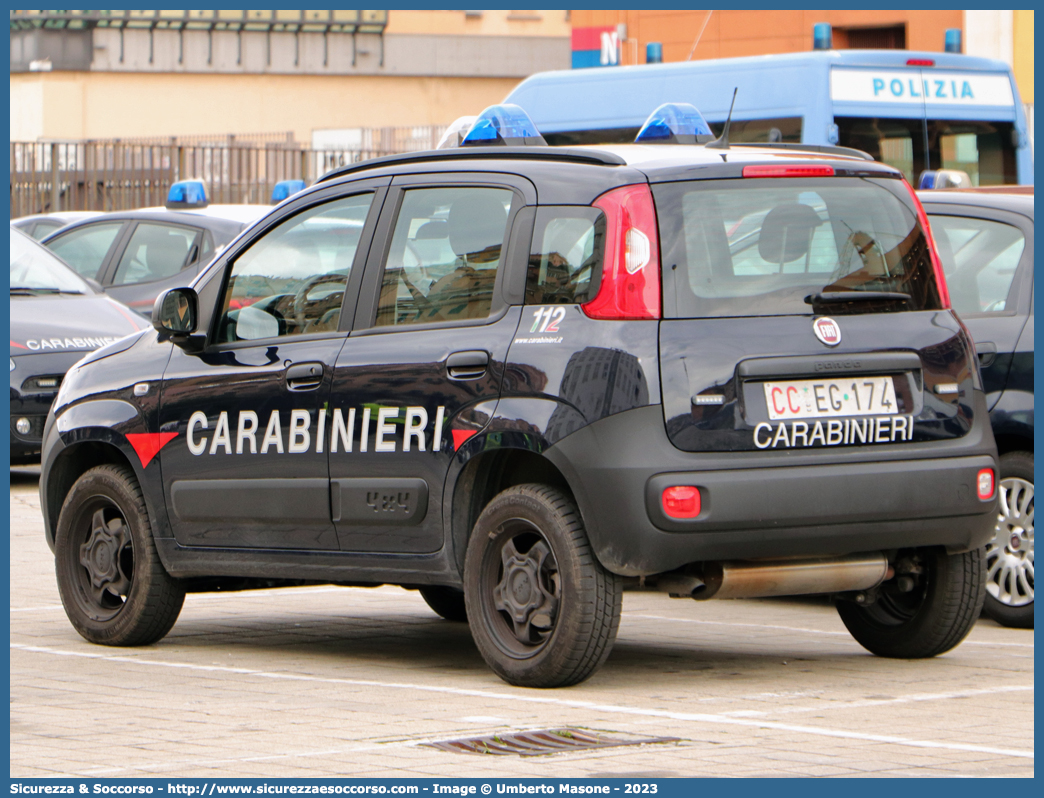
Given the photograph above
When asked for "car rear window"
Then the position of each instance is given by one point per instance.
(767, 247)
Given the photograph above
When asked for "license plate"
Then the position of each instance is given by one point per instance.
(855, 396)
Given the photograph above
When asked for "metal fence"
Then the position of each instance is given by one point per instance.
(127, 174)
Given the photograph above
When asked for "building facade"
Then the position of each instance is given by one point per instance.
(147, 74)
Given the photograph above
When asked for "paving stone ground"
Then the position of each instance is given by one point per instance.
(350, 682)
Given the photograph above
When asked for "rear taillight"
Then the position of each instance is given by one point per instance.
(681, 501)
(984, 484)
(630, 286)
(774, 170)
(940, 277)
(920, 62)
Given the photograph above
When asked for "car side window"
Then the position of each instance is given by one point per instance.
(565, 263)
(291, 281)
(979, 258)
(85, 248)
(445, 251)
(155, 252)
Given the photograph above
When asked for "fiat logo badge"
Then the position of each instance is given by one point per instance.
(827, 331)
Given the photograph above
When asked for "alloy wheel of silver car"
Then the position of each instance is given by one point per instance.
(1009, 556)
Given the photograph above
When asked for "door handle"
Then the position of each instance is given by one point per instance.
(304, 376)
(987, 351)
(467, 365)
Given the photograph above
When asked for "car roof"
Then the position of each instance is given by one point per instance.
(59, 216)
(236, 213)
(970, 198)
(656, 161)
(214, 223)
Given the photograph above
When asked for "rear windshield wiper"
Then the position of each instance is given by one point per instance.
(839, 297)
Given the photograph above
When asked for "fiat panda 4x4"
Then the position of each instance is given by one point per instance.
(519, 377)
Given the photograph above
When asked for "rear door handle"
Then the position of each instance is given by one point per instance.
(304, 376)
(467, 365)
(987, 351)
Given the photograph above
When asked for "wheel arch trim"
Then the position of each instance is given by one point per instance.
(87, 434)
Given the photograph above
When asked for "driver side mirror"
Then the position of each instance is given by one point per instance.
(175, 315)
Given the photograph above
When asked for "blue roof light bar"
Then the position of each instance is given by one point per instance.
(503, 125)
(675, 123)
(187, 194)
(286, 188)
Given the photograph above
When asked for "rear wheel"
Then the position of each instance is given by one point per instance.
(446, 601)
(112, 584)
(543, 611)
(925, 610)
(1009, 556)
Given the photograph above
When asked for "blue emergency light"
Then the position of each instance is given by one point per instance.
(943, 178)
(674, 123)
(506, 125)
(187, 194)
(286, 188)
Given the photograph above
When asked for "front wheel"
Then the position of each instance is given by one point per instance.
(925, 610)
(112, 584)
(1009, 556)
(542, 609)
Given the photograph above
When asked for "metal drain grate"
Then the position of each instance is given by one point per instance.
(542, 742)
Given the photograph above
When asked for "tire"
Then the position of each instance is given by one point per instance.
(114, 589)
(446, 601)
(557, 625)
(930, 619)
(1009, 571)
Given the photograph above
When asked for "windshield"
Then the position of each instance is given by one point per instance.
(34, 268)
(769, 247)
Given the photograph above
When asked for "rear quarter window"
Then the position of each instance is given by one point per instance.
(565, 262)
(766, 247)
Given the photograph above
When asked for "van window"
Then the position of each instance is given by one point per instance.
(767, 247)
(982, 149)
(769, 129)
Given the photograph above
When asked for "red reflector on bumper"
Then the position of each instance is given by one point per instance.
(772, 170)
(984, 484)
(681, 501)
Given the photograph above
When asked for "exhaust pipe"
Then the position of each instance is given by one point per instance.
(764, 578)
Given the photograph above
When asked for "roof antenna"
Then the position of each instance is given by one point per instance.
(722, 142)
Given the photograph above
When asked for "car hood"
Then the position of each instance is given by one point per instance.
(68, 323)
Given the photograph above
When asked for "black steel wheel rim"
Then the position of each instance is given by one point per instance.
(521, 589)
(102, 559)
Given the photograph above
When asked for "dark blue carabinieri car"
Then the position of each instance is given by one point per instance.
(56, 319)
(519, 377)
(985, 241)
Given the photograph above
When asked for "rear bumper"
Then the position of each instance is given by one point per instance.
(771, 504)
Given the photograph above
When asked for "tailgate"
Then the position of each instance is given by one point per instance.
(745, 384)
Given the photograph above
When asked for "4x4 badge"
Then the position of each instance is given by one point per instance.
(827, 331)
